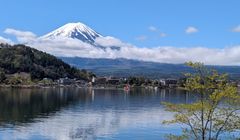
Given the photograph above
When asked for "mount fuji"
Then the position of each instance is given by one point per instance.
(75, 31)
(81, 32)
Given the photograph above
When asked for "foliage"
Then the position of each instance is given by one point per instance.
(217, 110)
(46, 81)
(175, 137)
(20, 58)
(138, 81)
(18, 78)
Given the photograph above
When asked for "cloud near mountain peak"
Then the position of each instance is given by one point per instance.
(69, 47)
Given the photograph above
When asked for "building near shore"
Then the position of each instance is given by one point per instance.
(113, 81)
(66, 81)
(101, 80)
(107, 81)
(168, 82)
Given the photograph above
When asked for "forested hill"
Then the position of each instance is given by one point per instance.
(23, 59)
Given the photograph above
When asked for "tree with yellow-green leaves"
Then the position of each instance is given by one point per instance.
(217, 110)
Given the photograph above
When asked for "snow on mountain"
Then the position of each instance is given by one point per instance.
(85, 34)
(75, 31)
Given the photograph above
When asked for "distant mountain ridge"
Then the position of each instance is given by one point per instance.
(126, 67)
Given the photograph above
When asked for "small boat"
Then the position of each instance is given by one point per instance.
(127, 87)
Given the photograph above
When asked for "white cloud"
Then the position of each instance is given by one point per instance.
(152, 28)
(191, 30)
(66, 47)
(236, 29)
(22, 36)
(163, 34)
(109, 41)
(72, 47)
(166, 54)
(5, 40)
(141, 38)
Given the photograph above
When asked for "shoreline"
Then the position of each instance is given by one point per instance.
(83, 87)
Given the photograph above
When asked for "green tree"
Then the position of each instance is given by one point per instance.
(217, 110)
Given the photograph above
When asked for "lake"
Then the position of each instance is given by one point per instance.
(73, 113)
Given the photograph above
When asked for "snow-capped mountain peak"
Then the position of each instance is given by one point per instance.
(80, 32)
(75, 31)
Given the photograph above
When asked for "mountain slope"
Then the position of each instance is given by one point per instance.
(75, 31)
(20, 58)
(127, 67)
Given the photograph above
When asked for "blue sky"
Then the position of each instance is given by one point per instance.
(129, 20)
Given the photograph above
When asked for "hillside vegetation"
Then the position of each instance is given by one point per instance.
(18, 59)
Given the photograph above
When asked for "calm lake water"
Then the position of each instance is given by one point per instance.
(62, 114)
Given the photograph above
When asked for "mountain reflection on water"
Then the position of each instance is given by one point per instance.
(72, 113)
